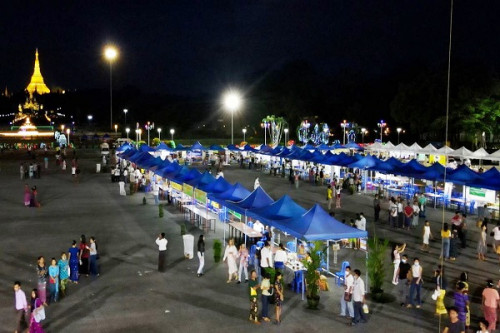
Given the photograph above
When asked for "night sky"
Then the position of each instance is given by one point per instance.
(192, 47)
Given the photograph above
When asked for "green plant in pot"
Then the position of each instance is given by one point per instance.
(160, 210)
(312, 276)
(183, 229)
(217, 250)
(375, 264)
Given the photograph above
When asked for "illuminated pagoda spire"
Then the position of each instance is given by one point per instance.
(36, 83)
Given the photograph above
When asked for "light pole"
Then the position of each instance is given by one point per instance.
(67, 132)
(116, 128)
(244, 132)
(265, 125)
(172, 131)
(89, 118)
(232, 102)
(137, 136)
(149, 126)
(343, 124)
(127, 130)
(110, 53)
(286, 134)
(159, 134)
(363, 132)
(140, 134)
(382, 124)
(399, 129)
(125, 112)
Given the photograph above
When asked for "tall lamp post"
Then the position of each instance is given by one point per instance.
(382, 124)
(116, 128)
(159, 134)
(172, 131)
(67, 132)
(244, 134)
(265, 125)
(363, 132)
(286, 134)
(110, 53)
(125, 112)
(344, 124)
(89, 118)
(149, 126)
(399, 129)
(232, 102)
(127, 130)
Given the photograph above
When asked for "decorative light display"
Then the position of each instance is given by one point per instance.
(319, 134)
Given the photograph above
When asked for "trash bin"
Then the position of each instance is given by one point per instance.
(188, 246)
(98, 168)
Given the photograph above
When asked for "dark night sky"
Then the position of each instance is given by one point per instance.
(190, 47)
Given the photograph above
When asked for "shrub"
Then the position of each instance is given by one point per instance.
(217, 250)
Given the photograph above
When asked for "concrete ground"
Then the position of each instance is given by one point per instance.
(131, 296)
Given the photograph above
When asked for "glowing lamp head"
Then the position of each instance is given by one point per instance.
(232, 101)
(110, 53)
(172, 131)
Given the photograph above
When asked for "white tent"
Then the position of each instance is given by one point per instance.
(429, 149)
(462, 152)
(387, 147)
(415, 148)
(480, 154)
(445, 151)
(495, 156)
(375, 147)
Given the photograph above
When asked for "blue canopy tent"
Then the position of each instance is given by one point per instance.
(205, 179)
(233, 148)
(250, 149)
(336, 146)
(282, 209)
(142, 161)
(309, 147)
(366, 162)
(124, 147)
(218, 186)
(163, 146)
(353, 145)
(411, 169)
(305, 155)
(197, 146)
(323, 147)
(283, 153)
(180, 147)
(235, 193)
(266, 150)
(216, 147)
(127, 153)
(489, 180)
(137, 155)
(318, 157)
(463, 175)
(178, 172)
(152, 162)
(168, 169)
(257, 199)
(146, 148)
(184, 178)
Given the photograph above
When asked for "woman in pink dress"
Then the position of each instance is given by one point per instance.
(27, 195)
(35, 327)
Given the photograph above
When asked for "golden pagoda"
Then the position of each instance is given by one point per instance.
(36, 83)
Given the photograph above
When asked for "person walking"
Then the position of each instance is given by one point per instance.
(427, 234)
(201, 255)
(416, 284)
(93, 257)
(490, 304)
(36, 306)
(358, 296)
(462, 303)
(265, 287)
(455, 325)
(53, 281)
(441, 289)
(280, 258)
(422, 201)
(21, 306)
(73, 262)
(337, 197)
(64, 272)
(253, 287)
(445, 236)
(42, 273)
(346, 301)
(416, 213)
(121, 183)
(396, 259)
(329, 197)
(84, 255)
(161, 241)
(243, 266)
(408, 215)
(481, 244)
(393, 213)
(256, 183)
(376, 207)
(156, 192)
(403, 270)
(279, 296)
(27, 195)
(230, 254)
(401, 214)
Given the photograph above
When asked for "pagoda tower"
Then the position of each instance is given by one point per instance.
(36, 83)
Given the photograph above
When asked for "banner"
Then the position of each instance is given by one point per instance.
(176, 186)
(188, 190)
(200, 196)
(478, 192)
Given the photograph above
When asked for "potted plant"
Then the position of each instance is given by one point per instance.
(375, 265)
(160, 210)
(183, 229)
(312, 276)
(217, 250)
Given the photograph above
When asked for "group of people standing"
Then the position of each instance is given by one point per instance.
(53, 280)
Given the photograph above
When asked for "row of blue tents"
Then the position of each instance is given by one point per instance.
(462, 175)
(283, 214)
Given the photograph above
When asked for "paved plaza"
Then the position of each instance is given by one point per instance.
(131, 296)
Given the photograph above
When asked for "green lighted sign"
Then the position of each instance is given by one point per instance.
(478, 192)
(232, 212)
(200, 196)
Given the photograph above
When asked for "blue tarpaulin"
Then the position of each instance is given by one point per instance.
(284, 208)
(257, 199)
(218, 186)
(236, 192)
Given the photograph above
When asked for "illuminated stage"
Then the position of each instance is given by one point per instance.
(29, 131)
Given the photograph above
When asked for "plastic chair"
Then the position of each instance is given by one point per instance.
(291, 246)
(298, 281)
(341, 274)
(323, 261)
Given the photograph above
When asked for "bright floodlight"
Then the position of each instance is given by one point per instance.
(110, 53)
(232, 101)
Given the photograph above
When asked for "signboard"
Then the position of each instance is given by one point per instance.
(478, 192)
(200, 196)
(176, 186)
(362, 244)
(188, 190)
(232, 212)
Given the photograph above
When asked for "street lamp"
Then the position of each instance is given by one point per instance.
(125, 111)
(363, 132)
(265, 125)
(172, 131)
(89, 118)
(116, 128)
(232, 102)
(67, 132)
(286, 134)
(344, 124)
(159, 134)
(149, 126)
(244, 132)
(110, 53)
(382, 124)
(399, 129)
(127, 130)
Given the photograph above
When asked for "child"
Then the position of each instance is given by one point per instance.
(426, 236)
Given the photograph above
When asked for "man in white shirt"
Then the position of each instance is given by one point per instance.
(358, 296)
(21, 307)
(362, 222)
(346, 298)
(161, 241)
(266, 258)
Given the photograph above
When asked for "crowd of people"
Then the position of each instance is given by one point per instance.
(52, 282)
